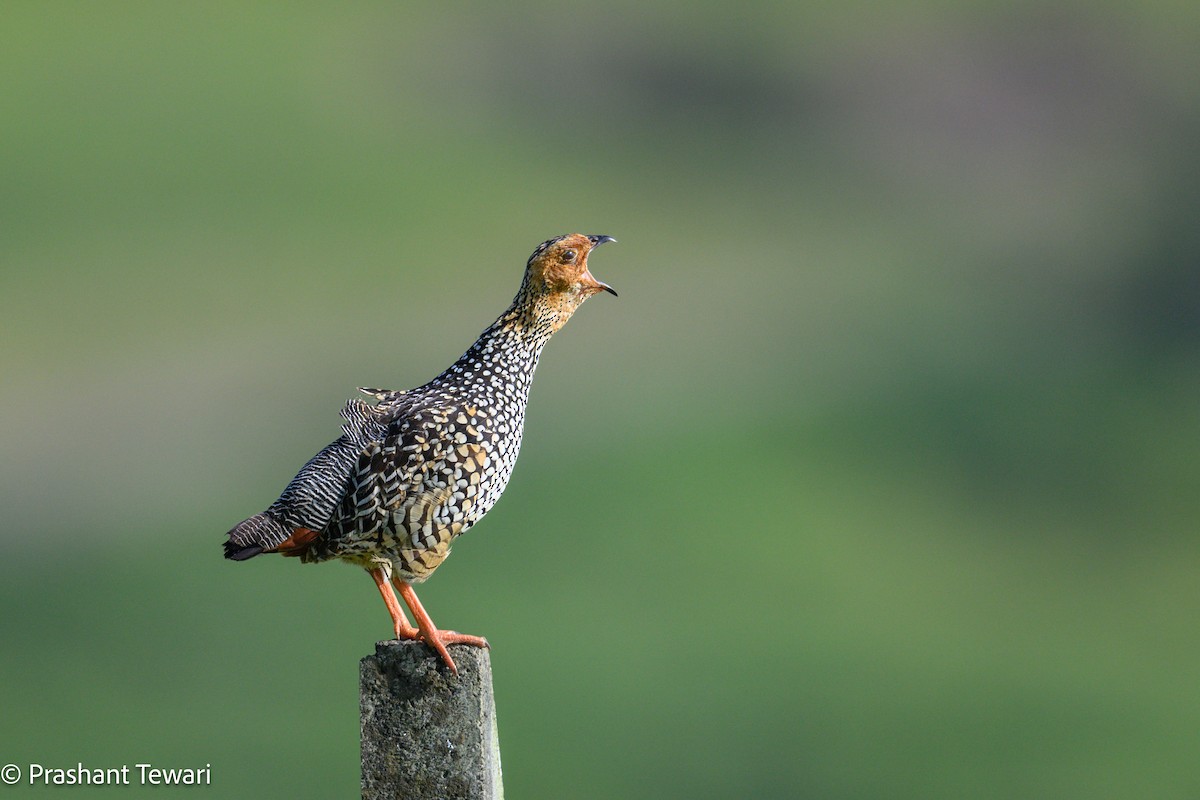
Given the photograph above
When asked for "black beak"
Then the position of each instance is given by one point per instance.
(596, 242)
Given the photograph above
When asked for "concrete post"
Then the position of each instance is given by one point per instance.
(426, 735)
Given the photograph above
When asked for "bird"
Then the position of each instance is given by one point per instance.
(414, 469)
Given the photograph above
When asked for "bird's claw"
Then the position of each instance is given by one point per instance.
(454, 637)
(439, 639)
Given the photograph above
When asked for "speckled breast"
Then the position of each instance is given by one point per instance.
(415, 491)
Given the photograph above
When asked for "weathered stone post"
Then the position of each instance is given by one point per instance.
(425, 734)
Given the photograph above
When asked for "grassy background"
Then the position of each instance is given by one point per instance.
(879, 480)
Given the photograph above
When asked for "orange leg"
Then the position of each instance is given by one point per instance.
(429, 633)
(399, 621)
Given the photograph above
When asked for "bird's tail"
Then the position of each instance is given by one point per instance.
(259, 534)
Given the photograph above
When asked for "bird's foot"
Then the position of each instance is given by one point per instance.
(426, 631)
(439, 639)
(454, 637)
(406, 631)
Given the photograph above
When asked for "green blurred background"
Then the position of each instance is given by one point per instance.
(879, 480)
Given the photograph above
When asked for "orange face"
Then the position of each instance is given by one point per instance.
(559, 266)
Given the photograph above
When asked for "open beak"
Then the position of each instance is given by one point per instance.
(601, 286)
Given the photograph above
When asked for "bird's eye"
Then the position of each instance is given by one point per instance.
(568, 255)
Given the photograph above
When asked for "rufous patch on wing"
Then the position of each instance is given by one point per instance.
(297, 543)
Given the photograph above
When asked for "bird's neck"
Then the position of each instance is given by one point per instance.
(507, 351)
(535, 317)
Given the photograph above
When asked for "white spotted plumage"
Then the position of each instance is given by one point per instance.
(417, 468)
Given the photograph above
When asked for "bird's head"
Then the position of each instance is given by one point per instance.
(559, 266)
(557, 280)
